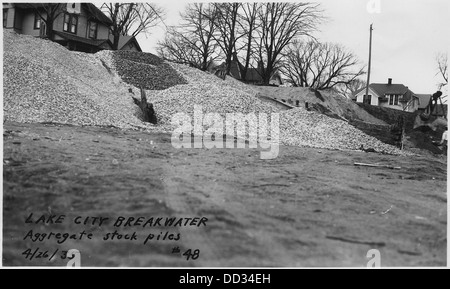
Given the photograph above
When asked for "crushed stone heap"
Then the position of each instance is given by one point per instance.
(45, 82)
(299, 127)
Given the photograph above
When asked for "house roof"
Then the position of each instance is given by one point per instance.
(125, 40)
(253, 75)
(94, 12)
(89, 41)
(29, 5)
(383, 89)
(424, 100)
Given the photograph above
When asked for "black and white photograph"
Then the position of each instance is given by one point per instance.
(184, 134)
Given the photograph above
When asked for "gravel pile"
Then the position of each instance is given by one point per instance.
(299, 127)
(44, 82)
(145, 70)
(207, 90)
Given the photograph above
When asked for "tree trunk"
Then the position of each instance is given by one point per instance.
(49, 27)
(266, 74)
(228, 63)
(116, 40)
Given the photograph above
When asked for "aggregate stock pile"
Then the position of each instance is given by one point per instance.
(45, 82)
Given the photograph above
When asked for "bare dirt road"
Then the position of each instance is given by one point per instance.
(306, 208)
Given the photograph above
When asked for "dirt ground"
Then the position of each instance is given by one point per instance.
(306, 208)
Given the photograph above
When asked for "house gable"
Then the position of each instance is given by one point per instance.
(127, 43)
(359, 96)
(83, 20)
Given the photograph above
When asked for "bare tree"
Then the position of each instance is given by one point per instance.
(48, 12)
(132, 18)
(298, 62)
(236, 24)
(248, 25)
(178, 48)
(226, 18)
(321, 65)
(442, 68)
(349, 90)
(194, 38)
(280, 24)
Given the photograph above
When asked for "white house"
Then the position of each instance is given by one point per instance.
(395, 96)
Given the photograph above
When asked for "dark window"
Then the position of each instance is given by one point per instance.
(393, 99)
(92, 33)
(70, 23)
(5, 17)
(367, 99)
(37, 21)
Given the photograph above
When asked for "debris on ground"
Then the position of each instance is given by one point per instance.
(377, 166)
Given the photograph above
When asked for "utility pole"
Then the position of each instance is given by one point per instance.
(370, 61)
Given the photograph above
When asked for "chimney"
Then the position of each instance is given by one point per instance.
(389, 81)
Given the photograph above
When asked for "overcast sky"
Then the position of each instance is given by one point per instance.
(406, 38)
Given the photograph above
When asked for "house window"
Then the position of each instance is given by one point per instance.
(70, 23)
(5, 17)
(367, 99)
(37, 21)
(93, 27)
(393, 99)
